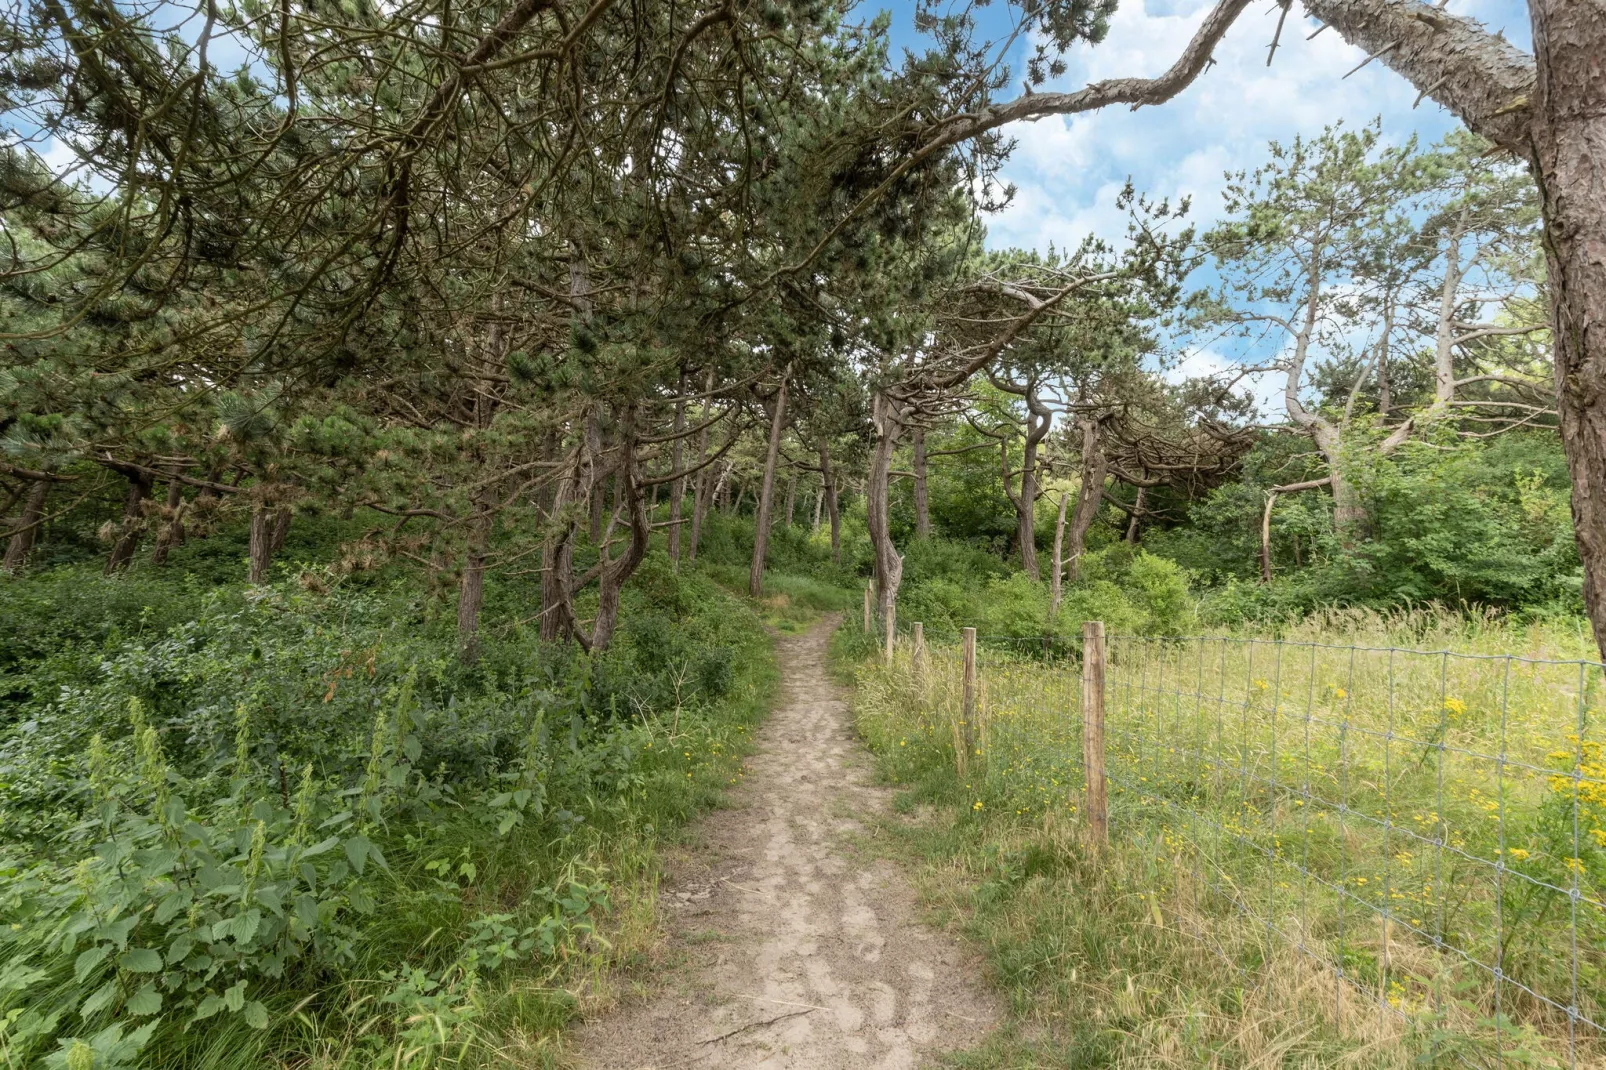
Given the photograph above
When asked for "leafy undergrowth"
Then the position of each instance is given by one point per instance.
(790, 603)
(295, 829)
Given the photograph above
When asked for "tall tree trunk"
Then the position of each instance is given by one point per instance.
(832, 505)
(281, 528)
(1095, 466)
(171, 533)
(611, 580)
(922, 501)
(1056, 581)
(761, 525)
(557, 557)
(1569, 163)
(261, 545)
(597, 489)
(677, 490)
(471, 586)
(791, 497)
(133, 526)
(27, 535)
(819, 504)
(1039, 421)
(888, 564)
(703, 488)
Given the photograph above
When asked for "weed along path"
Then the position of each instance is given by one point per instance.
(790, 947)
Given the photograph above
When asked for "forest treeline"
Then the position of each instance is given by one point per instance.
(523, 285)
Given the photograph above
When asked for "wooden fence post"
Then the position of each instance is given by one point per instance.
(1096, 801)
(967, 709)
(918, 659)
(867, 609)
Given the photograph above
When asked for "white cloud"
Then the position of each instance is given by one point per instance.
(1068, 170)
(1265, 387)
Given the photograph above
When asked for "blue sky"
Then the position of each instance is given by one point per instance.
(1069, 170)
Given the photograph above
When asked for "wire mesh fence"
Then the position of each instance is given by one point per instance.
(1427, 827)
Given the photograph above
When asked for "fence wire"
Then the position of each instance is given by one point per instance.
(1428, 827)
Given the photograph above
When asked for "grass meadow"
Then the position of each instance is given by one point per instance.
(1370, 841)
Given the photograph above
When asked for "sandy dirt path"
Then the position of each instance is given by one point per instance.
(790, 947)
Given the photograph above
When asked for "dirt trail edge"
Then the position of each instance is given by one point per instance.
(792, 949)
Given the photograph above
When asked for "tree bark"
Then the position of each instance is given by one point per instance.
(557, 557)
(761, 524)
(611, 580)
(133, 526)
(23, 542)
(1095, 466)
(1569, 162)
(1133, 524)
(1265, 537)
(922, 500)
(171, 533)
(888, 564)
(261, 545)
(1039, 420)
(281, 528)
(791, 498)
(832, 505)
(819, 504)
(703, 489)
(1056, 581)
(677, 491)
(471, 586)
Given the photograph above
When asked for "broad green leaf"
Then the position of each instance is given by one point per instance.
(88, 960)
(234, 996)
(209, 1006)
(256, 1015)
(141, 960)
(98, 1002)
(146, 1001)
(357, 848)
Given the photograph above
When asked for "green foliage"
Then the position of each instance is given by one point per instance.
(302, 800)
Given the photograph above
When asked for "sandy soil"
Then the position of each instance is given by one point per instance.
(790, 948)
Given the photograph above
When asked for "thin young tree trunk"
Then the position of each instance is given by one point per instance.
(471, 587)
(557, 558)
(832, 506)
(888, 563)
(23, 542)
(133, 526)
(1095, 466)
(703, 488)
(281, 528)
(677, 491)
(791, 498)
(598, 480)
(1056, 583)
(761, 524)
(819, 504)
(171, 533)
(1132, 525)
(261, 545)
(612, 579)
(922, 501)
(1265, 537)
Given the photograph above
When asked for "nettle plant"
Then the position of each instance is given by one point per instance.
(179, 912)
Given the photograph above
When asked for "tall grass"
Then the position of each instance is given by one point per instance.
(1354, 848)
